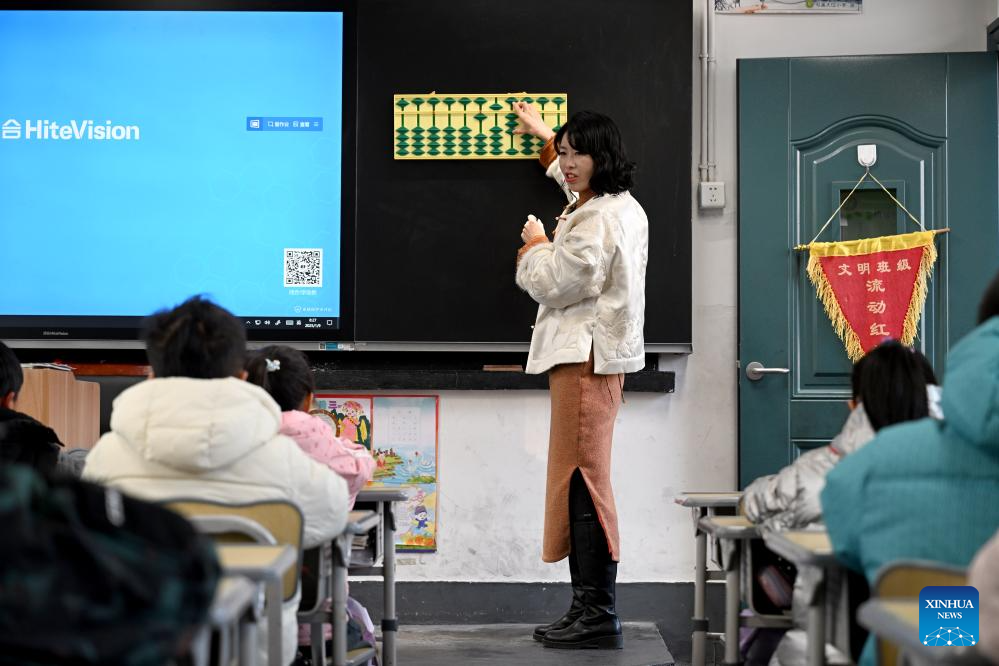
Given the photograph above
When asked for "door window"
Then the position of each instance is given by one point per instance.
(868, 214)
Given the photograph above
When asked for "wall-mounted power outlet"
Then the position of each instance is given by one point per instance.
(712, 194)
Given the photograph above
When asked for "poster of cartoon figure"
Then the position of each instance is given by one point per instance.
(352, 414)
(401, 433)
(405, 450)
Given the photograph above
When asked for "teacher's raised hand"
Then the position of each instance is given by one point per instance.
(531, 121)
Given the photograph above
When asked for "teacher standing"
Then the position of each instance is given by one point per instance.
(589, 282)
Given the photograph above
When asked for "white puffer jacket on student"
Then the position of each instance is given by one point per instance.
(789, 499)
(590, 284)
(216, 439)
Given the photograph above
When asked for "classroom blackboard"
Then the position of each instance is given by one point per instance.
(436, 241)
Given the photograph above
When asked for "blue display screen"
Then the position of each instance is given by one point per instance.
(146, 156)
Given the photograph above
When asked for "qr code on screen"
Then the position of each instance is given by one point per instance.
(303, 267)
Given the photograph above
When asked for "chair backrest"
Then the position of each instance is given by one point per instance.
(331, 419)
(268, 522)
(317, 564)
(904, 579)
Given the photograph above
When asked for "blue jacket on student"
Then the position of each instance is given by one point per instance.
(926, 489)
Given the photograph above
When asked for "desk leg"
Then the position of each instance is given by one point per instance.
(817, 626)
(700, 622)
(390, 623)
(225, 636)
(340, 605)
(201, 646)
(248, 647)
(732, 590)
(274, 629)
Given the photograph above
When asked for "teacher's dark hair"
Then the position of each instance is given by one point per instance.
(596, 135)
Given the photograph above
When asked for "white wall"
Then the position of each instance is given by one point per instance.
(493, 444)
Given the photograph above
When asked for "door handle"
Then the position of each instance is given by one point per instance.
(755, 371)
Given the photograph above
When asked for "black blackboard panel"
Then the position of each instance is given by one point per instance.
(436, 241)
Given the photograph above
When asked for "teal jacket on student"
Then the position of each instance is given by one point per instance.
(926, 489)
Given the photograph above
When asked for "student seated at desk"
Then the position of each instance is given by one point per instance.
(196, 430)
(928, 489)
(984, 577)
(23, 439)
(285, 374)
(891, 384)
(95, 577)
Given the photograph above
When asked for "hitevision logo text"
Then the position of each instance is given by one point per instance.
(74, 130)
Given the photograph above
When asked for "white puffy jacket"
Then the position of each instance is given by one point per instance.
(789, 499)
(216, 439)
(590, 284)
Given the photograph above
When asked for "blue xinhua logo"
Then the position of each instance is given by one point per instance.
(948, 615)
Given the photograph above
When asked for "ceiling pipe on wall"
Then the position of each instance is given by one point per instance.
(706, 165)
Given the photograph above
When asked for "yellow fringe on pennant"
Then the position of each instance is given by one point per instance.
(863, 246)
(919, 291)
(826, 295)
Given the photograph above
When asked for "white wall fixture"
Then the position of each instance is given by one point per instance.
(712, 194)
(867, 155)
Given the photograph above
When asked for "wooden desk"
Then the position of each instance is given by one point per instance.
(362, 521)
(809, 548)
(731, 531)
(266, 564)
(70, 407)
(730, 527)
(230, 616)
(382, 499)
(358, 522)
(897, 621)
(702, 504)
(714, 499)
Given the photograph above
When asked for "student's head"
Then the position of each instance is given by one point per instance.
(11, 377)
(284, 373)
(591, 155)
(890, 381)
(989, 306)
(195, 339)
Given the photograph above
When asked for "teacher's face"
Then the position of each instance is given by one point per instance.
(576, 167)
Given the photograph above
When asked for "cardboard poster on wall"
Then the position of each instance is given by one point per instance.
(405, 442)
(351, 415)
(789, 7)
(401, 431)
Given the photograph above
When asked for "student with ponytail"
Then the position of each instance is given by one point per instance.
(285, 374)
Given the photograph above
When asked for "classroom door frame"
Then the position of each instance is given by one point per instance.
(799, 121)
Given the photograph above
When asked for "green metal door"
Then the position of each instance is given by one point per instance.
(933, 119)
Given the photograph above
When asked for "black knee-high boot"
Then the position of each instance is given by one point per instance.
(598, 625)
(575, 608)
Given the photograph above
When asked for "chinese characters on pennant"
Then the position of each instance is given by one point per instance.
(873, 288)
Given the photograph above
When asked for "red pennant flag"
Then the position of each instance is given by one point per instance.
(873, 288)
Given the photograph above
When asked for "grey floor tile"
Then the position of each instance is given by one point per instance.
(512, 644)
